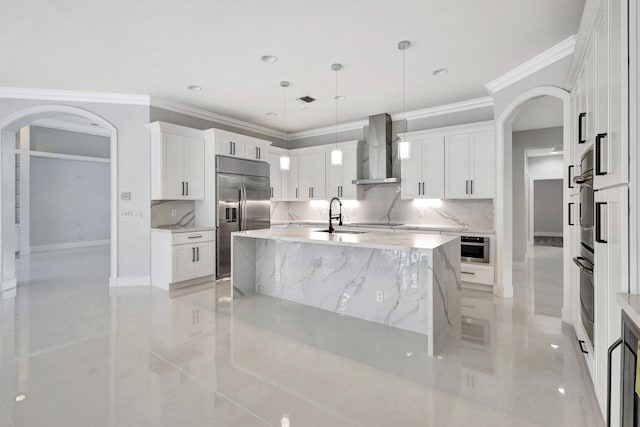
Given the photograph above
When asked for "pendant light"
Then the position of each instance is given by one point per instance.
(404, 146)
(285, 161)
(336, 153)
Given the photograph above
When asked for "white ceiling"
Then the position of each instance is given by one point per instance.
(159, 47)
(539, 113)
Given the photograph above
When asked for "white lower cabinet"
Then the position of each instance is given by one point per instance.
(182, 258)
(481, 274)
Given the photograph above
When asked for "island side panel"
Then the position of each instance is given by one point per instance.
(243, 265)
(345, 279)
(447, 288)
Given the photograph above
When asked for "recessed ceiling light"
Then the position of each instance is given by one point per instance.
(20, 398)
(561, 390)
(194, 88)
(270, 114)
(339, 97)
(269, 59)
(555, 346)
(440, 72)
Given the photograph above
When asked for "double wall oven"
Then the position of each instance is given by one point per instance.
(586, 258)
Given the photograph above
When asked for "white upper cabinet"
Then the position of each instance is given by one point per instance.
(422, 175)
(311, 175)
(471, 163)
(456, 162)
(340, 178)
(292, 191)
(243, 146)
(177, 162)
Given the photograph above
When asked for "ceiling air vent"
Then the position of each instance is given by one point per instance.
(306, 99)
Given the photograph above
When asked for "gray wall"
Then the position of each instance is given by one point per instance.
(133, 176)
(538, 138)
(160, 114)
(547, 211)
(65, 142)
(69, 201)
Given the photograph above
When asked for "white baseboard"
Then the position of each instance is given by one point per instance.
(6, 285)
(130, 281)
(70, 245)
(566, 316)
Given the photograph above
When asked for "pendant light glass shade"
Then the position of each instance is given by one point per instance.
(285, 162)
(404, 149)
(336, 157)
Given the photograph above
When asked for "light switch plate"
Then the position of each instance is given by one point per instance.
(125, 195)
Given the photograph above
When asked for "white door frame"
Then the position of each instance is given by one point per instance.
(531, 207)
(9, 126)
(504, 196)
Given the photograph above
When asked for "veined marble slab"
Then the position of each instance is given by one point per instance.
(418, 275)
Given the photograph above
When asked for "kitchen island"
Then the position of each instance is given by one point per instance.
(408, 281)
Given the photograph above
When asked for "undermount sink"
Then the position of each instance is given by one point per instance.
(341, 231)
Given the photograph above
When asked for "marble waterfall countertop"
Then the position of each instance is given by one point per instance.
(395, 241)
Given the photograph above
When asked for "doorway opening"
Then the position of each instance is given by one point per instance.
(59, 187)
(537, 119)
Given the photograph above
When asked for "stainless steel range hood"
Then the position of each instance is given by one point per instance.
(380, 152)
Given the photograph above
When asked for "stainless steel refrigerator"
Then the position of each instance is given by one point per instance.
(243, 192)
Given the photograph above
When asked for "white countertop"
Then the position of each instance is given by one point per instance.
(396, 241)
(630, 303)
(426, 227)
(173, 229)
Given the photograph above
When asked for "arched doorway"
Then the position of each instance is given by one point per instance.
(504, 218)
(9, 126)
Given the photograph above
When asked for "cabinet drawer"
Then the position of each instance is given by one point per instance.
(476, 273)
(192, 237)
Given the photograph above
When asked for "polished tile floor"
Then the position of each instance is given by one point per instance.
(75, 353)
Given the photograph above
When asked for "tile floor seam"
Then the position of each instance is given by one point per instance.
(202, 383)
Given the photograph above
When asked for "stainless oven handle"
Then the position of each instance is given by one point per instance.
(578, 261)
(581, 179)
(472, 244)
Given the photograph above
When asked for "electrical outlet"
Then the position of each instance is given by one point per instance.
(174, 212)
(379, 296)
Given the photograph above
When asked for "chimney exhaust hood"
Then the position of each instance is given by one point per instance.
(380, 152)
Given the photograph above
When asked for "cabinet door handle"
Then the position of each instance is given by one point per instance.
(570, 213)
(187, 186)
(193, 254)
(466, 187)
(580, 342)
(598, 221)
(598, 153)
(296, 193)
(419, 189)
(471, 186)
(182, 193)
(468, 272)
(198, 254)
(423, 189)
(231, 147)
(195, 237)
(570, 175)
(581, 120)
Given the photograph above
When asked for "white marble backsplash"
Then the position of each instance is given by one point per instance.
(382, 204)
(161, 211)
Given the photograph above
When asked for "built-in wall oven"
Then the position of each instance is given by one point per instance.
(586, 258)
(474, 249)
(630, 401)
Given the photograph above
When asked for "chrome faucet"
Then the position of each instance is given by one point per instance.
(332, 217)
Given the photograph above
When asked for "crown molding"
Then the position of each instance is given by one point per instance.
(471, 104)
(344, 127)
(440, 110)
(215, 117)
(72, 95)
(537, 63)
(587, 25)
(52, 123)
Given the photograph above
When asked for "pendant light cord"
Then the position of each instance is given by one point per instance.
(404, 95)
(336, 99)
(284, 116)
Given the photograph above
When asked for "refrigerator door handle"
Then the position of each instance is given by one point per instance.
(243, 224)
(240, 212)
